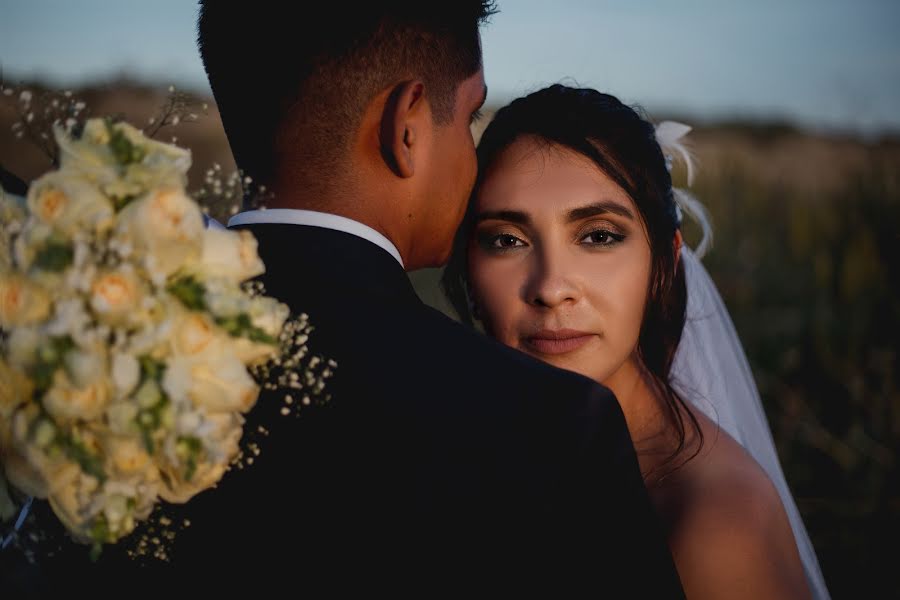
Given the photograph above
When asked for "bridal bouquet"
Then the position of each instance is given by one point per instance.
(128, 334)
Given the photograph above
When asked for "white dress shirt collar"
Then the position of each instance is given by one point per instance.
(316, 219)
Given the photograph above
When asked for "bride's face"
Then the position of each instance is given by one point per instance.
(559, 261)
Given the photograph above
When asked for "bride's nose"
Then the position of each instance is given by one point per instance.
(550, 282)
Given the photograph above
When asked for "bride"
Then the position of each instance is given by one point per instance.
(571, 251)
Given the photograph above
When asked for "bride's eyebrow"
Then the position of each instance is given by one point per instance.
(512, 216)
(598, 208)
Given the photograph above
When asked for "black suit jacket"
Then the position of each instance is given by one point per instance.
(442, 458)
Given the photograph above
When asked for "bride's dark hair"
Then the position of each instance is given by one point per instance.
(623, 145)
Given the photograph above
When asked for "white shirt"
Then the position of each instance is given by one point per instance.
(316, 219)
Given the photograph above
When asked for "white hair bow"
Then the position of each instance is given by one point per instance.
(669, 136)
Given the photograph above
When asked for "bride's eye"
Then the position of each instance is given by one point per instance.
(501, 241)
(505, 240)
(602, 237)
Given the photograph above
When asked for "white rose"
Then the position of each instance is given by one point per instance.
(224, 298)
(178, 490)
(27, 465)
(67, 202)
(268, 314)
(136, 165)
(155, 154)
(22, 346)
(194, 334)
(89, 155)
(21, 301)
(165, 226)
(36, 475)
(126, 456)
(126, 372)
(69, 318)
(92, 158)
(253, 353)
(220, 435)
(162, 163)
(85, 367)
(230, 254)
(121, 417)
(67, 402)
(31, 239)
(75, 505)
(116, 296)
(217, 384)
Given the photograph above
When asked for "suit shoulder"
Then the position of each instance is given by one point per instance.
(479, 355)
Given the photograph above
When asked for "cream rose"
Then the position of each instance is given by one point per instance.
(68, 202)
(165, 227)
(71, 504)
(216, 384)
(16, 389)
(25, 460)
(219, 436)
(126, 456)
(195, 334)
(22, 346)
(231, 255)
(67, 402)
(126, 372)
(85, 367)
(21, 301)
(116, 295)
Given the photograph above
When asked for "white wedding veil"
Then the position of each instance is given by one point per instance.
(710, 369)
(711, 372)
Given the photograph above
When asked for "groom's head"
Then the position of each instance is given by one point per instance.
(363, 111)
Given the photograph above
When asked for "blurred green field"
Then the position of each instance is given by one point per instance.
(807, 230)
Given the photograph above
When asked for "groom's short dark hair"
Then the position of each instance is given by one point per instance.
(290, 80)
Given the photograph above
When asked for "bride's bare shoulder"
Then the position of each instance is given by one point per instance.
(728, 530)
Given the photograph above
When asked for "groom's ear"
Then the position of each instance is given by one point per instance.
(401, 124)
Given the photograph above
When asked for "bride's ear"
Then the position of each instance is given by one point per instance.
(401, 124)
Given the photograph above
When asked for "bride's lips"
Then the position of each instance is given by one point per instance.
(556, 341)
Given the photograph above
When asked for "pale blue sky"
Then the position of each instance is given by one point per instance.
(821, 63)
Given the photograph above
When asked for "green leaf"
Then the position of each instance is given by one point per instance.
(122, 149)
(151, 368)
(54, 256)
(191, 447)
(96, 551)
(89, 462)
(147, 438)
(49, 358)
(121, 202)
(100, 535)
(242, 326)
(190, 292)
(256, 334)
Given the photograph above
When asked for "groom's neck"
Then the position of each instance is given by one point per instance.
(374, 210)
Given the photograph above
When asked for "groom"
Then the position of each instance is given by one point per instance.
(441, 457)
